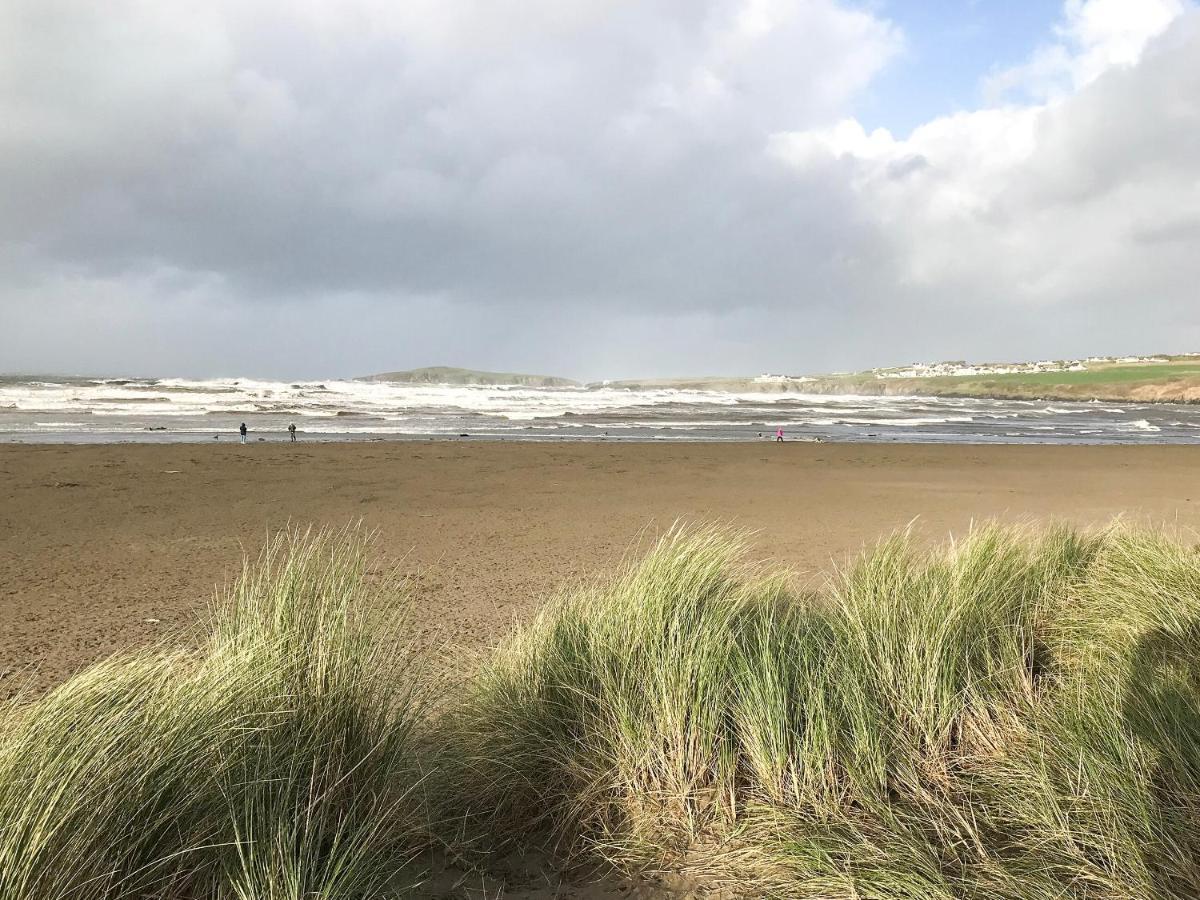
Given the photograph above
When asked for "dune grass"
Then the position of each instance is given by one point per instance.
(277, 762)
(1014, 715)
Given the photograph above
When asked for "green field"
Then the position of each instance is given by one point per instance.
(1176, 381)
(1092, 377)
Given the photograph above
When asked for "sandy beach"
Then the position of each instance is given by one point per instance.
(104, 547)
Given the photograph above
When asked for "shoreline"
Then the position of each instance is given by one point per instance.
(344, 411)
(156, 438)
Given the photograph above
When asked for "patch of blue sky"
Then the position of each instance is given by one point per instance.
(951, 47)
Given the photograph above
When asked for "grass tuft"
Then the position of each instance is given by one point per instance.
(276, 762)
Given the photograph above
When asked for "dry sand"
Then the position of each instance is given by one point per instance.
(103, 547)
(106, 546)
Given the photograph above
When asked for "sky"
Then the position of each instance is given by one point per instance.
(594, 188)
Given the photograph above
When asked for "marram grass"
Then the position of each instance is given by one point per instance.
(277, 762)
(1015, 715)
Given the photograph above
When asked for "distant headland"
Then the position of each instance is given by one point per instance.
(454, 375)
(1147, 379)
(1171, 378)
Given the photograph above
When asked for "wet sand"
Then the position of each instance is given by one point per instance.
(103, 547)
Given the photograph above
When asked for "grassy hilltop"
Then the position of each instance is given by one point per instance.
(1165, 379)
(1014, 715)
(1176, 381)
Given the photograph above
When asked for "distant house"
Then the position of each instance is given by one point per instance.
(768, 378)
(962, 369)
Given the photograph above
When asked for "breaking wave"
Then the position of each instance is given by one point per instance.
(82, 409)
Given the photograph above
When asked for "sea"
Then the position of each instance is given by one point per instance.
(160, 410)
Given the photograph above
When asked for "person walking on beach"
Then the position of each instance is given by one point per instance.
(779, 435)
(292, 431)
(242, 431)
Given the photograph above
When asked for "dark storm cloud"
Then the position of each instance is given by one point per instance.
(591, 187)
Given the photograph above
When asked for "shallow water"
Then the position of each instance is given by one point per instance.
(81, 410)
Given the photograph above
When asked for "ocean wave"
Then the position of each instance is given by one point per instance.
(200, 407)
(1069, 411)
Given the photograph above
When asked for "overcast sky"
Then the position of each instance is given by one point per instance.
(594, 188)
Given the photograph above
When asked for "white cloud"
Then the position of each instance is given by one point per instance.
(591, 186)
(1093, 36)
(1038, 202)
